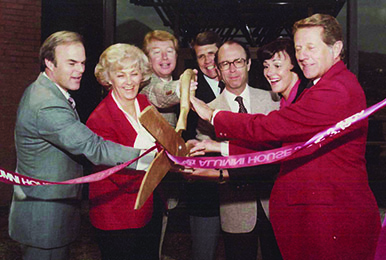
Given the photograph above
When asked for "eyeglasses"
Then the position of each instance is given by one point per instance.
(238, 63)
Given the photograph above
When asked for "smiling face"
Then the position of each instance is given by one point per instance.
(205, 59)
(125, 83)
(163, 58)
(70, 61)
(235, 79)
(277, 71)
(314, 56)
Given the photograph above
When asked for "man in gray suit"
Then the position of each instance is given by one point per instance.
(50, 141)
(240, 207)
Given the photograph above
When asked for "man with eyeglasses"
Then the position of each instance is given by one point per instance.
(240, 206)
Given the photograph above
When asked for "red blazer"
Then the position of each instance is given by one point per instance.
(112, 200)
(321, 206)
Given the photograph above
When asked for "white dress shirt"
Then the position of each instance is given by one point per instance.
(144, 139)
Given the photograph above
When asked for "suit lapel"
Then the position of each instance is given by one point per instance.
(123, 127)
(50, 86)
(258, 104)
(255, 101)
(204, 91)
(223, 103)
(220, 103)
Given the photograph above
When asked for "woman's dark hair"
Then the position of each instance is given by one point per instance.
(279, 45)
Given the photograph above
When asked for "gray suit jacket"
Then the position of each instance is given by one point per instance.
(50, 141)
(238, 207)
(163, 96)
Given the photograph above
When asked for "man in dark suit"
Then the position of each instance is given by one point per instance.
(50, 140)
(202, 197)
(209, 85)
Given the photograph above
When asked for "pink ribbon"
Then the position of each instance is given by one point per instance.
(19, 179)
(275, 155)
(234, 161)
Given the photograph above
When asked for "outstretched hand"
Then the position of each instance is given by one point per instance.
(193, 84)
(197, 148)
(202, 109)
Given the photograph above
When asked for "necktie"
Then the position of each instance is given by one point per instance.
(242, 108)
(72, 102)
(310, 84)
(221, 85)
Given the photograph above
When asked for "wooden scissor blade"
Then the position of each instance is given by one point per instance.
(171, 141)
(161, 130)
(157, 170)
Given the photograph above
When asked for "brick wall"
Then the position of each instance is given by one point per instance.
(20, 35)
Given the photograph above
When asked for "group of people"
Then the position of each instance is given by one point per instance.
(320, 206)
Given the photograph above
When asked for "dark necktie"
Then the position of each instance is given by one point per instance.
(221, 85)
(310, 84)
(242, 108)
(72, 102)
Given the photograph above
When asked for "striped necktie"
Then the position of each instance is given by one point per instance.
(242, 108)
(72, 102)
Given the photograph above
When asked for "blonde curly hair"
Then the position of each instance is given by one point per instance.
(120, 56)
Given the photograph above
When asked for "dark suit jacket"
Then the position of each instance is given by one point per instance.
(321, 206)
(202, 196)
(49, 139)
(204, 93)
(112, 200)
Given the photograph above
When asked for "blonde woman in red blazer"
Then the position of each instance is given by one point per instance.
(122, 232)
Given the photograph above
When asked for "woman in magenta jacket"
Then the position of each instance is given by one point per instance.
(122, 232)
(284, 76)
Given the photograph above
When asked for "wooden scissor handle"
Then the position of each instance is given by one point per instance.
(186, 78)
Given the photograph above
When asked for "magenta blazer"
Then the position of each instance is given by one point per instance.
(112, 200)
(321, 206)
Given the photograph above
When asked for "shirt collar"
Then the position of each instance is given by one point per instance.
(244, 94)
(136, 105)
(64, 92)
(291, 97)
(230, 98)
(213, 85)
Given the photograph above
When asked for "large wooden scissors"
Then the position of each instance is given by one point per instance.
(170, 139)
